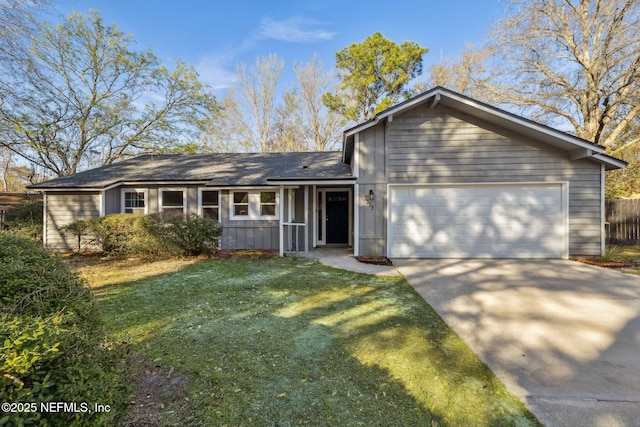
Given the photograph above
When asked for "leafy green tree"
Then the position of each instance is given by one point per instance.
(17, 24)
(375, 74)
(90, 99)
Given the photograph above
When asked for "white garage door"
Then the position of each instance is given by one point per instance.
(468, 221)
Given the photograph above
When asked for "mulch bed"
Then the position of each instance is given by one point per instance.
(608, 264)
(375, 261)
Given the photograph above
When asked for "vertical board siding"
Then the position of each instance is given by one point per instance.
(623, 221)
(250, 237)
(63, 209)
(441, 145)
(112, 201)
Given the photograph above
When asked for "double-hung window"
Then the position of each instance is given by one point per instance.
(254, 204)
(134, 201)
(240, 203)
(173, 201)
(209, 204)
(267, 203)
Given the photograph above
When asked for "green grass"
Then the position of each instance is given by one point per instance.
(288, 341)
(624, 253)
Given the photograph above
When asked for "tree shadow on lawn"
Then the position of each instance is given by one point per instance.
(289, 341)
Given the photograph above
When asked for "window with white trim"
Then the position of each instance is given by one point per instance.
(209, 204)
(173, 201)
(240, 203)
(254, 204)
(267, 203)
(134, 201)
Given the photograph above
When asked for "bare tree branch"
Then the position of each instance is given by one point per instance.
(88, 99)
(572, 63)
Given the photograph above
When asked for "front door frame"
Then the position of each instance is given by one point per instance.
(322, 216)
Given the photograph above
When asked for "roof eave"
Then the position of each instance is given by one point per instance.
(504, 119)
(311, 181)
(609, 162)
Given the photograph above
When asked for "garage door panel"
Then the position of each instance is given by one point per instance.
(511, 220)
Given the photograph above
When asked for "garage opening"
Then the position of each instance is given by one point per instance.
(511, 220)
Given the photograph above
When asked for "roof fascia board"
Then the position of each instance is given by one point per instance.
(312, 182)
(391, 111)
(609, 162)
(61, 189)
(119, 184)
(183, 182)
(241, 187)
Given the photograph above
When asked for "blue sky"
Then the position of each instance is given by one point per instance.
(215, 35)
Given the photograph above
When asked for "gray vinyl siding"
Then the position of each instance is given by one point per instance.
(62, 209)
(372, 167)
(261, 236)
(246, 234)
(441, 145)
(236, 234)
(112, 201)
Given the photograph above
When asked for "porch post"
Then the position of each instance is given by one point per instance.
(281, 220)
(356, 220)
(306, 221)
(314, 216)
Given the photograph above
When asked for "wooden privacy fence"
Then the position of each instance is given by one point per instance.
(622, 221)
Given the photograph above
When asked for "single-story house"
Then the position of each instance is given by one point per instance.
(439, 175)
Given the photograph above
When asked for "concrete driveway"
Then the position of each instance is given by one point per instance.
(563, 336)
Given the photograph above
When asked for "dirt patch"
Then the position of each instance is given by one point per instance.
(156, 389)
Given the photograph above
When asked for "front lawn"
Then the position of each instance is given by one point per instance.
(631, 255)
(288, 341)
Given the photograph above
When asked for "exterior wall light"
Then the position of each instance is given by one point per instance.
(370, 198)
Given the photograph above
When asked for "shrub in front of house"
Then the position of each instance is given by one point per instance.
(126, 234)
(156, 234)
(117, 234)
(54, 346)
(26, 219)
(187, 235)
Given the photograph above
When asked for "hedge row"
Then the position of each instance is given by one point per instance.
(25, 219)
(53, 344)
(156, 234)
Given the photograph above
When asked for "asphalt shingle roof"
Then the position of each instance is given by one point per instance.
(228, 169)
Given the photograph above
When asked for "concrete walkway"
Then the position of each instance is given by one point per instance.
(563, 336)
(343, 258)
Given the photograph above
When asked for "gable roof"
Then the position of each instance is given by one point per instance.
(228, 169)
(577, 147)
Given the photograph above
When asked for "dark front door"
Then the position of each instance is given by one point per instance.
(337, 217)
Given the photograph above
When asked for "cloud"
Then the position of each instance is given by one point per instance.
(295, 30)
(216, 70)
